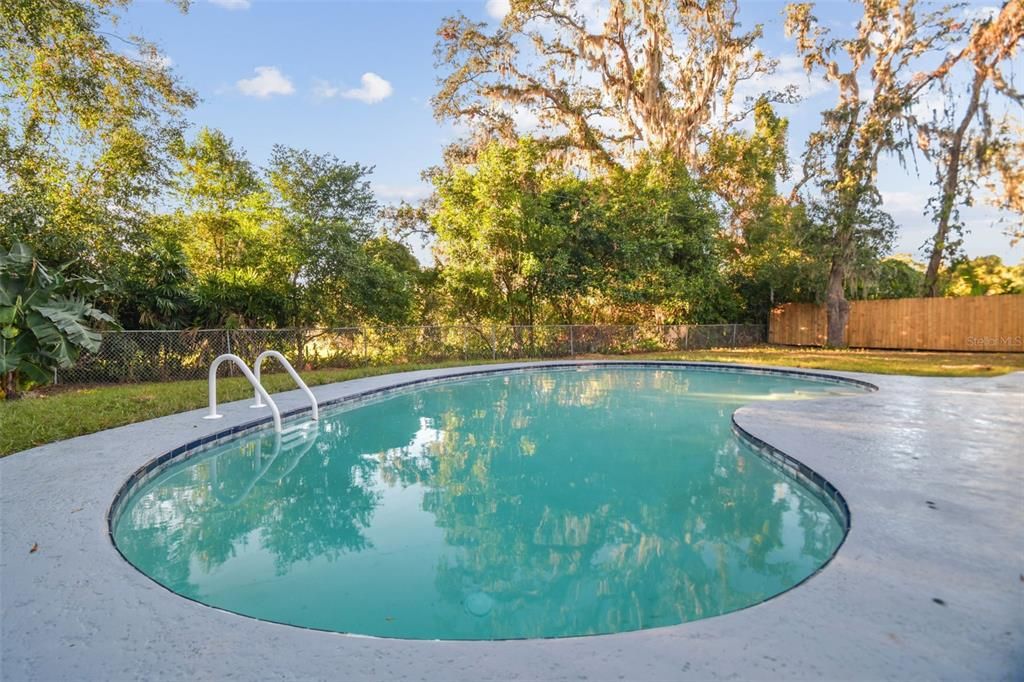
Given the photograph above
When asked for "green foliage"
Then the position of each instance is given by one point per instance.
(580, 226)
(395, 281)
(45, 318)
(776, 261)
(894, 277)
(224, 207)
(868, 233)
(85, 128)
(323, 214)
(667, 254)
(522, 241)
(773, 249)
(225, 228)
(156, 291)
(743, 169)
(239, 297)
(985, 276)
(496, 230)
(289, 246)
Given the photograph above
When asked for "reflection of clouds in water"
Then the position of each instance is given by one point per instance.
(780, 491)
(425, 436)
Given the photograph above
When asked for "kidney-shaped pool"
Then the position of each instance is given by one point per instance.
(542, 503)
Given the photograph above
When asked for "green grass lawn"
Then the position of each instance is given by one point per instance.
(63, 412)
(912, 363)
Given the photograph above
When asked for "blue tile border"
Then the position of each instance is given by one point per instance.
(801, 473)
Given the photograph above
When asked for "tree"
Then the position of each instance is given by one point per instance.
(842, 157)
(666, 254)
(1003, 173)
(743, 169)
(157, 291)
(985, 276)
(647, 77)
(777, 260)
(84, 130)
(765, 245)
(897, 276)
(325, 208)
(495, 232)
(224, 205)
(229, 232)
(395, 281)
(46, 319)
(520, 240)
(963, 141)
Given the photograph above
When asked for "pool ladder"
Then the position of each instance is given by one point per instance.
(263, 398)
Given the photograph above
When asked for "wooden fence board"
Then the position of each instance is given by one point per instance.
(970, 323)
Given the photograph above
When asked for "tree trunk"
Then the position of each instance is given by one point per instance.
(300, 346)
(9, 384)
(950, 185)
(836, 306)
(931, 275)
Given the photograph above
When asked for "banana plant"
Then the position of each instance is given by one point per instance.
(46, 322)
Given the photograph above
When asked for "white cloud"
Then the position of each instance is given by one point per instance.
(788, 72)
(410, 193)
(161, 61)
(525, 120)
(904, 202)
(374, 89)
(267, 82)
(981, 12)
(152, 58)
(324, 90)
(232, 4)
(498, 8)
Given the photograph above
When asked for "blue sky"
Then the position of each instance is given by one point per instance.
(354, 78)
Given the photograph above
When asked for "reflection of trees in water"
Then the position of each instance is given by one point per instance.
(514, 492)
(318, 506)
(662, 546)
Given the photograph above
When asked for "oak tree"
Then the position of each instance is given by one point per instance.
(966, 139)
(878, 74)
(600, 86)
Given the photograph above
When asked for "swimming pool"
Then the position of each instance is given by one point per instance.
(542, 503)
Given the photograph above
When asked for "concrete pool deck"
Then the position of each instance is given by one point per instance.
(929, 583)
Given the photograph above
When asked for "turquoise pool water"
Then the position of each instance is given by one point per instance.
(533, 504)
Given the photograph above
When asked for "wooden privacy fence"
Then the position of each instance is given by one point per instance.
(970, 323)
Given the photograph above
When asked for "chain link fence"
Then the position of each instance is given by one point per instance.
(136, 356)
